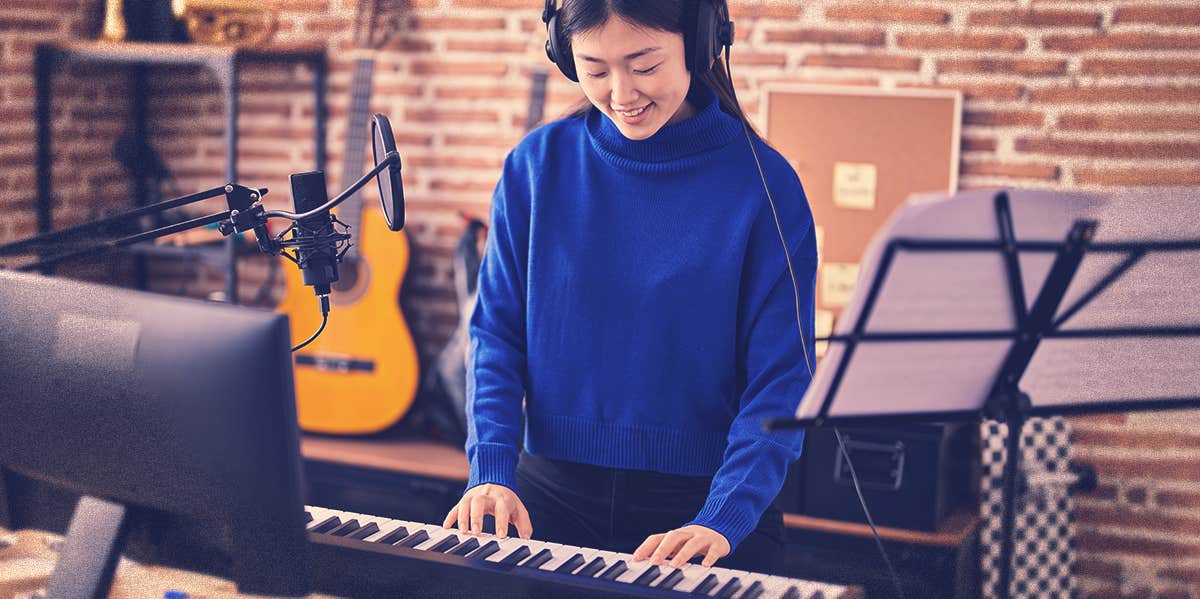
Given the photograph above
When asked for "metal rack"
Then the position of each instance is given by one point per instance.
(224, 62)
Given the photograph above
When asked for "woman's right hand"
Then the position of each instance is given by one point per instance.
(497, 500)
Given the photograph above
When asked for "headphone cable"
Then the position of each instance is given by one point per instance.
(787, 254)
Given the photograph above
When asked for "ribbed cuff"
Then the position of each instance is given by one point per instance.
(733, 523)
(494, 464)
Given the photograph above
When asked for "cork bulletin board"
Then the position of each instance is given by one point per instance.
(860, 152)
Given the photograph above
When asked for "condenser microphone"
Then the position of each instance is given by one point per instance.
(316, 248)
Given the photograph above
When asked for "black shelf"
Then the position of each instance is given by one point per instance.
(225, 63)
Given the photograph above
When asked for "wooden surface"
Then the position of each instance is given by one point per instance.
(953, 531)
(392, 454)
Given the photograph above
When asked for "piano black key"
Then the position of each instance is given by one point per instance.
(307, 517)
(753, 591)
(537, 560)
(614, 571)
(671, 580)
(591, 568)
(366, 531)
(326, 525)
(393, 536)
(792, 593)
(444, 545)
(346, 528)
(516, 556)
(650, 575)
(730, 588)
(488, 548)
(414, 539)
(570, 565)
(706, 585)
(465, 547)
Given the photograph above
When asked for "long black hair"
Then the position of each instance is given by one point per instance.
(674, 16)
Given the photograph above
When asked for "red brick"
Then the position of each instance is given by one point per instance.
(887, 13)
(1004, 118)
(1088, 541)
(1182, 574)
(28, 24)
(441, 67)
(1010, 66)
(1146, 519)
(1178, 499)
(978, 144)
(1151, 440)
(1104, 94)
(448, 161)
(962, 41)
(498, 46)
(1131, 121)
(856, 37)
(1141, 67)
(758, 9)
(1171, 14)
(1094, 567)
(1140, 40)
(977, 91)
(1160, 468)
(1036, 18)
(883, 62)
(1137, 177)
(457, 23)
(1046, 172)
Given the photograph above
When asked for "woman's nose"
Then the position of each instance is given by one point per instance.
(624, 93)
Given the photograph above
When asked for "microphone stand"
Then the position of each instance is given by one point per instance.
(245, 213)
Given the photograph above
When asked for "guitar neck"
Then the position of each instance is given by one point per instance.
(356, 143)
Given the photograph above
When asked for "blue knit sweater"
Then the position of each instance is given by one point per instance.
(635, 295)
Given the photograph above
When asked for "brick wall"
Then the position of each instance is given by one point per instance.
(1059, 94)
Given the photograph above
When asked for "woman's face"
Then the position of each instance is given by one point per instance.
(636, 76)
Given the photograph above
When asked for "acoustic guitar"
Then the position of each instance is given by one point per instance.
(360, 375)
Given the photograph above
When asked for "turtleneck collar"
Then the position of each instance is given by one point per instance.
(708, 129)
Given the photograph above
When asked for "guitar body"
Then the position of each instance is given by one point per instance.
(360, 375)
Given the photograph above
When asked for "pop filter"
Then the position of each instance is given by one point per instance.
(391, 188)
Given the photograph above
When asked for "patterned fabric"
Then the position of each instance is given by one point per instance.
(1044, 529)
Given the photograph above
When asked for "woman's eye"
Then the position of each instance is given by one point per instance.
(596, 75)
(646, 71)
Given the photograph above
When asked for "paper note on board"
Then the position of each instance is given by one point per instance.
(837, 283)
(854, 185)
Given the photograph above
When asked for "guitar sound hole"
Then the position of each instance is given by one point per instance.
(348, 276)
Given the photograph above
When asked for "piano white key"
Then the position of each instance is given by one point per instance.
(692, 576)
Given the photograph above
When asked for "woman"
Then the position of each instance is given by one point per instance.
(636, 299)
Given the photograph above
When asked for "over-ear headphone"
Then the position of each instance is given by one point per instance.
(703, 41)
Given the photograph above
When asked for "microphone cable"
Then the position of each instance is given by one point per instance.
(787, 254)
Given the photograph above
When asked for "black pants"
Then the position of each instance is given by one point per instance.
(615, 510)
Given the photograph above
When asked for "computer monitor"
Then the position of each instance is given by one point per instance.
(176, 420)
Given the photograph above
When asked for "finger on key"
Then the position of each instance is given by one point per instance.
(464, 514)
(672, 542)
(451, 516)
(694, 546)
(647, 547)
(522, 522)
(712, 555)
(478, 510)
(502, 515)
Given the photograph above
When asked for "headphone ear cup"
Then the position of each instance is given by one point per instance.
(704, 47)
(557, 53)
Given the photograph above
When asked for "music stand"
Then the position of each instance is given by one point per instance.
(938, 328)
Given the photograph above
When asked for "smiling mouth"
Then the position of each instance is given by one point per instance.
(635, 112)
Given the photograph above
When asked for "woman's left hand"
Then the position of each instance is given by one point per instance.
(684, 544)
